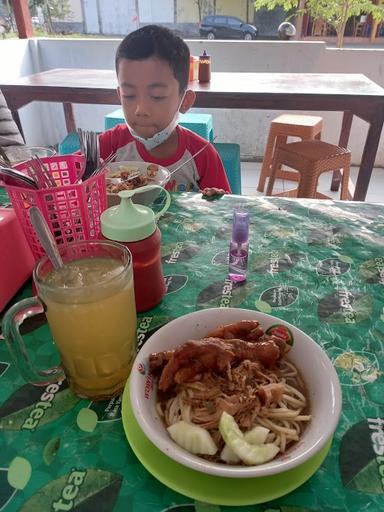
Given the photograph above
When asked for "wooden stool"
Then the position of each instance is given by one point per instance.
(311, 158)
(282, 127)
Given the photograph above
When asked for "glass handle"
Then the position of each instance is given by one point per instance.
(12, 321)
(166, 206)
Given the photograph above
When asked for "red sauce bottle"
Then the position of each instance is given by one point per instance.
(134, 225)
(204, 67)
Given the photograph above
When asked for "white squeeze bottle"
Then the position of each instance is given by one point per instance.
(238, 248)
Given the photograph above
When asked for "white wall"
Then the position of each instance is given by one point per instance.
(118, 17)
(248, 128)
(91, 17)
(161, 11)
(19, 57)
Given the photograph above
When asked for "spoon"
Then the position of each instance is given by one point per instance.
(45, 237)
(191, 157)
(15, 178)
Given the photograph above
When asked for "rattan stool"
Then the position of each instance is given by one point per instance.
(311, 158)
(284, 126)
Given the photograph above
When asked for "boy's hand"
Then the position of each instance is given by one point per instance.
(212, 191)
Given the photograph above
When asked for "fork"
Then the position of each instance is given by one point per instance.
(39, 172)
(89, 146)
(103, 165)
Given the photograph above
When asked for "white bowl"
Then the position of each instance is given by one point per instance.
(317, 370)
(147, 197)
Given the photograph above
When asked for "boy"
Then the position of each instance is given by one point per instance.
(152, 66)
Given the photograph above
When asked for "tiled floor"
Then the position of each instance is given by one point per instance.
(250, 172)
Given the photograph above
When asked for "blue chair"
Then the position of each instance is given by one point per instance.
(69, 144)
(199, 123)
(230, 155)
(113, 118)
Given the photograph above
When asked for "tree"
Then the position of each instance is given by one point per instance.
(58, 9)
(334, 12)
(206, 6)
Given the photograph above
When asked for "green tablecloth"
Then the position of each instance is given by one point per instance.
(316, 264)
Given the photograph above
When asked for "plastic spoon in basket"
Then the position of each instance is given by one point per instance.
(45, 236)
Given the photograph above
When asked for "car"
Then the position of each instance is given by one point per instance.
(35, 21)
(226, 27)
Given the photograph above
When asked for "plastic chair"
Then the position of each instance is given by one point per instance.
(69, 144)
(201, 124)
(282, 127)
(230, 156)
(311, 158)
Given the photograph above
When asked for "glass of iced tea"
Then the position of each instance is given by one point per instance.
(90, 307)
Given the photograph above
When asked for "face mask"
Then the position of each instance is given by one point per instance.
(159, 137)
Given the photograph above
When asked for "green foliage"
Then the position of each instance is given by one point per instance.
(335, 12)
(287, 5)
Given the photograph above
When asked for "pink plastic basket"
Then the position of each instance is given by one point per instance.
(72, 210)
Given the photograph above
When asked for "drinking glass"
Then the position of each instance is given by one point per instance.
(90, 308)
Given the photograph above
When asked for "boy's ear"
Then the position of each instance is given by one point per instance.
(188, 101)
(118, 92)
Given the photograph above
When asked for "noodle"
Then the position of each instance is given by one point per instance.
(202, 402)
(272, 397)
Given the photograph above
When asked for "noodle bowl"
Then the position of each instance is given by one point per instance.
(300, 419)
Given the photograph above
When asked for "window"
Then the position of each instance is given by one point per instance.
(208, 20)
(220, 20)
(235, 22)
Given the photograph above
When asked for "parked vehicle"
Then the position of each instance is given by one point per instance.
(226, 27)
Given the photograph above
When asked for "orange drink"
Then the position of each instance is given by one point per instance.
(90, 307)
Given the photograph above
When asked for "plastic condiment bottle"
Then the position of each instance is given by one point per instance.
(204, 67)
(134, 225)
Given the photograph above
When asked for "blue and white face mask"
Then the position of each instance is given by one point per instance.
(161, 136)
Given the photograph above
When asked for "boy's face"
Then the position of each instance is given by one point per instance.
(149, 94)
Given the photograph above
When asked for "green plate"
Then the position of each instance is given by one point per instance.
(208, 488)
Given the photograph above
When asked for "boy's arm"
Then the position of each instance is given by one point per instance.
(211, 170)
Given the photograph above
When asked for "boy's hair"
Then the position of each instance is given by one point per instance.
(160, 42)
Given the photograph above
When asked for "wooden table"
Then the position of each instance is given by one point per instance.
(353, 94)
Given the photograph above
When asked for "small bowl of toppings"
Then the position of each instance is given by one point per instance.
(235, 393)
(133, 175)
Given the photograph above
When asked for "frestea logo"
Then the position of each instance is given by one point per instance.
(70, 491)
(274, 263)
(175, 253)
(226, 294)
(379, 263)
(45, 403)
(142, 330)
(377, 439)
(346, 299)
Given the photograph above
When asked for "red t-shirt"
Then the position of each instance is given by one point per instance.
(204, 170)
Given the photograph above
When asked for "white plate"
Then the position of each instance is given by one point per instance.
(147, 197)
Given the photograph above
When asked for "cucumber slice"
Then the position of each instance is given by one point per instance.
(257, 435)
(228, 455)
(192, 438)
(234, 438)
